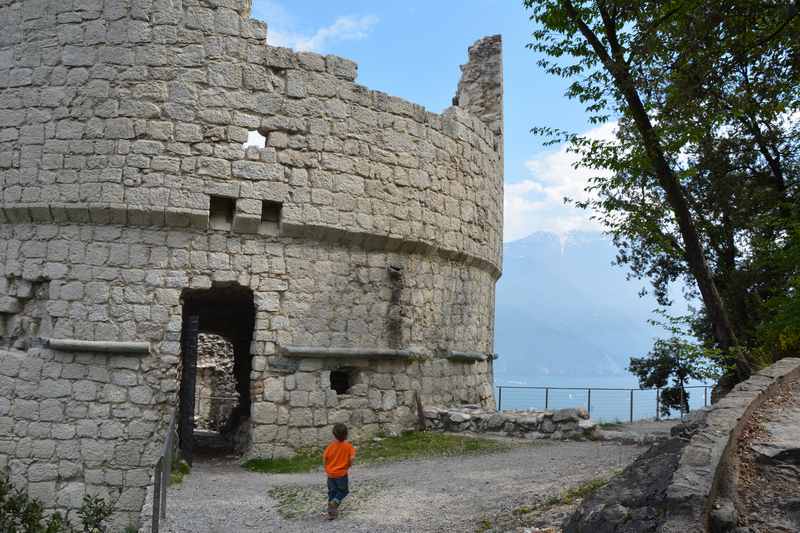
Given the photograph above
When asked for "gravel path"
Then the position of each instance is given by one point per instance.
(769, 464)
(426, 495)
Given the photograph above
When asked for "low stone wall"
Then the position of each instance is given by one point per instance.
(704, 466)
(75, 424)
(561, 424)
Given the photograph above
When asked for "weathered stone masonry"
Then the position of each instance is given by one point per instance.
(367, 232)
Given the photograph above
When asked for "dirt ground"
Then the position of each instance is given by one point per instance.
(490, 492)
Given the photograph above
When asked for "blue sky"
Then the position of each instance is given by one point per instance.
(412, 49)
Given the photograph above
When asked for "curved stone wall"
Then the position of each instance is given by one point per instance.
(366, 228)
(120, 114)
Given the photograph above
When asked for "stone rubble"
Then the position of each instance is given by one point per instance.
(557, 425)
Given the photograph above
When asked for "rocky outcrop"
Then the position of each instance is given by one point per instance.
(635, 501)
(681, 485)
(561, 424)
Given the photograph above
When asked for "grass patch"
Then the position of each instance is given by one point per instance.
(306, 460)
(409, 445)
(611, 425)
(527, 515)
(179, 470)
(583, 490)
(295, 501)
(484, 525)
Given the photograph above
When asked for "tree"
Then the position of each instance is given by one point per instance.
(703, 179)
(670, 366)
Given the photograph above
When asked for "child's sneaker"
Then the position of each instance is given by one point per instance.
(333, 509)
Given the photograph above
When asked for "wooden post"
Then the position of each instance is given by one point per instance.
(589, 401)
(499, 398)
(546, 396)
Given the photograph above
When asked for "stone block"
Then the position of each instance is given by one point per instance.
(265, 413)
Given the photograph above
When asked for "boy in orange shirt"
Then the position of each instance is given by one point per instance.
(338, 458)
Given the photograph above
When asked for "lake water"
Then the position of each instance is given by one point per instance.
(624, 403)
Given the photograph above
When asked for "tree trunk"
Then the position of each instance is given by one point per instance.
(695, 257)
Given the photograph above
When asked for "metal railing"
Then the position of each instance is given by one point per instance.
(162, 474)
(612, 404)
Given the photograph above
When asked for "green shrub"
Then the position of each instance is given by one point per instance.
(21, 514)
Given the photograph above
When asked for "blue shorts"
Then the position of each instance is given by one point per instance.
(337, 489)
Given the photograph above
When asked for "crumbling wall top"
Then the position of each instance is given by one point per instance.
(480, 90)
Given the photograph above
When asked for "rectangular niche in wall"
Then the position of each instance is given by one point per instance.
(341, 380)
(220, 212)
(270, 216)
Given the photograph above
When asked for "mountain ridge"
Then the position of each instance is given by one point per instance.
(564, 311)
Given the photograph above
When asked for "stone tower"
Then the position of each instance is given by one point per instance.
(350, 259)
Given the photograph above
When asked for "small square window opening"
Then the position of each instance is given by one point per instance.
(255, 138)
(340, 381)
(220, 212)
(271, 211)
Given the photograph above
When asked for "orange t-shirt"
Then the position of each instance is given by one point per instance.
(337, 457)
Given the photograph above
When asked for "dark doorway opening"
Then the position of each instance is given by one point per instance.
(340, 381)
(228, 312)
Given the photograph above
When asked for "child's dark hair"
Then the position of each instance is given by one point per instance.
(340, 432)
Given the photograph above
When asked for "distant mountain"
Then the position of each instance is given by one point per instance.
(563, 311)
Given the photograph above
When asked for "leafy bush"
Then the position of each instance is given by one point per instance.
(672, 363)
(20, 514)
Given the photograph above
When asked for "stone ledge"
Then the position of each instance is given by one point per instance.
(704, 462)
(112, 347)
(562, 424)
(468, 356)
(146, 216)
(372, 241)
(349, 353)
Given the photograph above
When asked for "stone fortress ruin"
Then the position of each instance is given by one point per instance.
(350, 261)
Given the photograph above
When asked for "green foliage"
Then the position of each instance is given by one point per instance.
(713, 89)
(306, 460)
(20, 514)
(670, 365)
(782, 331)
(583, 490)
(406, 446)
(673, 362)
(180, 469)
(94, 512)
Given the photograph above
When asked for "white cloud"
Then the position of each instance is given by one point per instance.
(537, 203)
(347, 28)
(281, 28)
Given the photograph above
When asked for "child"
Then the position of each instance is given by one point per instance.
(338, 459)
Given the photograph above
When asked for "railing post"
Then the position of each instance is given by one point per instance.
(705, 396)
(589, 401)
(169, 445)
(157, 493)
(546, 397)
(499, 398)
(631, 405)
(658, 404)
